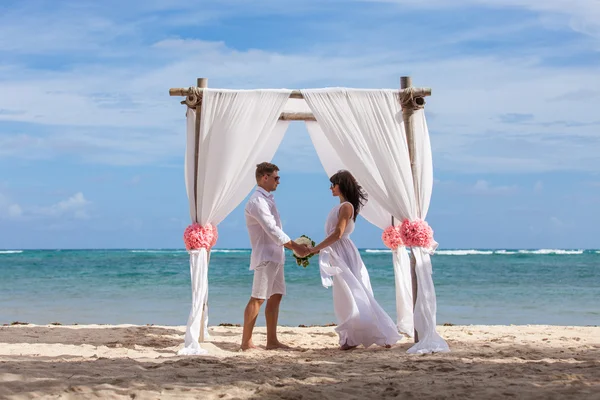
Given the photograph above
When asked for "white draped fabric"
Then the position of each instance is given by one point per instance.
(426, 306)
(378, 216)
(364, 128)
(238, 129)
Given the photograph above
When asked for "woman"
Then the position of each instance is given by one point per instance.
(360, 319)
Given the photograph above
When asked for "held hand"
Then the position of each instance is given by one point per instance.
(303, 250)
(307, 249)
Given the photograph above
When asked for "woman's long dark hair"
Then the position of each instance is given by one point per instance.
(350, 189)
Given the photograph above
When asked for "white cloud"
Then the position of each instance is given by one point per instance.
(150, 130)
(115, 109)
(580, 15)
(134, 181)
(75, 207)
(556, 222)
(135, 224)
(558, 225)
(14, 211)
(483, 187)
(8, 208)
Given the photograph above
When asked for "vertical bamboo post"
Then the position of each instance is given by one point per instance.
(202, 83)
(407, 114)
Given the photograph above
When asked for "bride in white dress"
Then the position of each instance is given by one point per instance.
(360, 319)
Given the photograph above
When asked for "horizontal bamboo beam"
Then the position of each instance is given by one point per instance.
(296, 94)
(288, 116)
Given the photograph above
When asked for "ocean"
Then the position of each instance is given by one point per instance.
(555, 287)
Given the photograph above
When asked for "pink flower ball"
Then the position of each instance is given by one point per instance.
(416, 233)
(197, 236)
(391, 237)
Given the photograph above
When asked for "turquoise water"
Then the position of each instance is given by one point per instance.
(153, 287)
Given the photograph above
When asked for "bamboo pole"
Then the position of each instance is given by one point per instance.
(201, 83)
(407, 116)
(296, 94)
(194, 98)
(289, 116)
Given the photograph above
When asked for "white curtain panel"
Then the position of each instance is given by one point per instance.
(238, 130)
(364, 127)
(378, 216)
(426, 306)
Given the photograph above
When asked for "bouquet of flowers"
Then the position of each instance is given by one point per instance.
(303, 240)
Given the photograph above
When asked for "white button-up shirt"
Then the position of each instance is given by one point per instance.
(264, 227)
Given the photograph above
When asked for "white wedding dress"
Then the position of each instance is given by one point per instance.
(360, 319)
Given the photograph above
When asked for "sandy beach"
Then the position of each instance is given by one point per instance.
(125, 361)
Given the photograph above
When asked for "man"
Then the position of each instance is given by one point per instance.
(268, 256)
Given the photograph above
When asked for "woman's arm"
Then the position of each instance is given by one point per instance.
(346, 212)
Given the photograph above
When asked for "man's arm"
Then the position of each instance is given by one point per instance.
(260, 211)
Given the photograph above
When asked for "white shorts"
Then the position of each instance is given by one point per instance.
(268, 280)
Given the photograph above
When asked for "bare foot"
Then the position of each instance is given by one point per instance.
(346, 347)
(277, 345)
(248, 346)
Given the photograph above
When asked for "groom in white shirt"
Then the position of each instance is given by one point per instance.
(268, 256)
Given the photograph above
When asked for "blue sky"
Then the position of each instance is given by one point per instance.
(91, 145)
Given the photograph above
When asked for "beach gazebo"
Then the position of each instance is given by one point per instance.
(380, 135)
